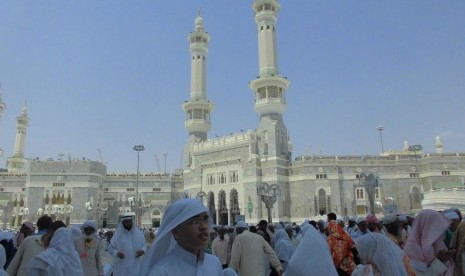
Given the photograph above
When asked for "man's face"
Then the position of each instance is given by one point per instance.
(109, 236)
(127, 223)
(362, 226)
(89, 231)
(352, 223)
(263, 226)
(25, 230)
(193, 234)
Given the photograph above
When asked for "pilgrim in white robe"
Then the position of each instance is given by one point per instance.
(127, 242)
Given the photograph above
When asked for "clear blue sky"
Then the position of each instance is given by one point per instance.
(111, 74)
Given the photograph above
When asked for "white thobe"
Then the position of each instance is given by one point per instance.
(182, 262)
(220, 248)
(129, 245)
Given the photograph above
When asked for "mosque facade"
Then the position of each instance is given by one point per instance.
(248, 176)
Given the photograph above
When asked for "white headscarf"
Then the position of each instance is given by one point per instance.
(89, 223)
(283, 246)
(304, 264)
(176, 214)
(61, 255)
(377, 248)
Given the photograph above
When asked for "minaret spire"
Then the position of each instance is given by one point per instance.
(198, 108)
(2, 104)
(17, 162)
(269, 87)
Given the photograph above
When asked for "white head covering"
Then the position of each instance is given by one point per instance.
(377, 248)
(128, 241)
(361, 219)
(76, 232)
(61, 256)
(304, 264)
(389, 218)
(452, 215)
(283, 246)
(89, 223)
(241, 224)
(176, 214)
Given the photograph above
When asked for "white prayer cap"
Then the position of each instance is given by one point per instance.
(128, 215)
(361, 219)
(389, 218)
(241, 224)
(452, 215)
(89, 223)
(352, 219)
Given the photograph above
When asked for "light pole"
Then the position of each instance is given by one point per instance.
(269, 194)
(165, 154)
(380, 129)
(138, 149)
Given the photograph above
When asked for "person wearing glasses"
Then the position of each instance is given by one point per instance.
(179, 247)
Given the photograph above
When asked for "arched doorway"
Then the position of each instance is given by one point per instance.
(322, 207)
(211, 206)
(156, 218)
(223, 219)
(234, 205)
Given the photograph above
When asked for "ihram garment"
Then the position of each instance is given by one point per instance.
(59, 259)
(30, 247)
(384, 255)
(165, 257)
(425, 241)
(88, 248)
(458, 242)
(2, 261)
(340, 245)
(127, 242)
(283, 248)
(312, 256)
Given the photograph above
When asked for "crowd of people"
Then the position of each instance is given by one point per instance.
(187, 243)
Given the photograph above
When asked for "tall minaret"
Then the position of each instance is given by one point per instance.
(198, 108)
(17, 162)
(269, 87)
(2, 104)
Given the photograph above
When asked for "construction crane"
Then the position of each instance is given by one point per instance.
(158, 163)
(100, 157)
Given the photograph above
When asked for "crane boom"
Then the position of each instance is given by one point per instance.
(158, 163)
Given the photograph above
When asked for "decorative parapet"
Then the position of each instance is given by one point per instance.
(237, 139)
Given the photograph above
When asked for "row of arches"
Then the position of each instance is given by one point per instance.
(224, 213)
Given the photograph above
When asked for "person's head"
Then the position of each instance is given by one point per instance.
(372, 222)
(44, 222)
(454, 220)
(253, 229)
(352, 222)
(362, 224)
(109, 235)
(392, 224)
(127, 223)
(313, 223)
(27, 228)
(321, 225)
(89, 227)
(221, 233)
(47, 237)
(289, 231)
(193, 234)
(331, 217)
(262, 225)
(241, 227)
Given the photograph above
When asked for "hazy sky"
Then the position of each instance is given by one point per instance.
(111, 74)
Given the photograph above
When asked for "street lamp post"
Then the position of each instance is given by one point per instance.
(380, 129)
(138, 149)
(269, 194)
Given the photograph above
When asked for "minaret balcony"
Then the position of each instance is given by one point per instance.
(270, 105)
(197, 125)
(197, 104)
